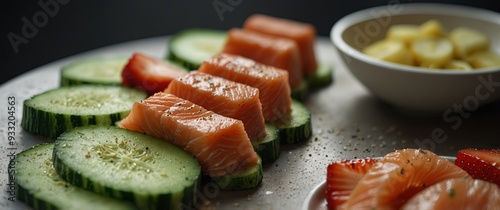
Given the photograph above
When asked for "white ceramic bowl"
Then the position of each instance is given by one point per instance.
(413, 88)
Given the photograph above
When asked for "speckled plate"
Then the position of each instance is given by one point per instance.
(347, 121)
(282, 186)
(315, 200)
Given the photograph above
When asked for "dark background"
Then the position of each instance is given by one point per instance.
(81, 25)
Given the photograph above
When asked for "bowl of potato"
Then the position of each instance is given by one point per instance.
(424, 57)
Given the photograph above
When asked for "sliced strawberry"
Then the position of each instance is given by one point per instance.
(480, 163)
(342, 177)
(149, 74)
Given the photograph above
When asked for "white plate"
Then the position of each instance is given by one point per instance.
(315, 200)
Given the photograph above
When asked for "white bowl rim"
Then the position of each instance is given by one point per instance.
(410, 8)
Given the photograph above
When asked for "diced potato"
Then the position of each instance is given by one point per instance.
(429, 45)
(484, 59)
(458, 65)
(404, 32)
(390, 50)
(432, 28)
(467, 41)
(432, 52)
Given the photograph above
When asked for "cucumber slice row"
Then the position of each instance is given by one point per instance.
(268, 148)
(191, 47)
(295, 127)
(243, 180)
(55, 111)
(40, 187)
(101, 70)
(127, 165)
(322, 77)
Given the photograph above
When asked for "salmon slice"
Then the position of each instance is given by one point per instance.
(279, 52)
(398, 176)
(219, 143)
(224, 97)
(342, 177)
(303, 34)
(274, 90)
(458, 193)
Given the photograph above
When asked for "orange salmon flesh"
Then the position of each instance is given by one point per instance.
(275, 51)
(219, 143)
(274, 90)
(224, 97)
(304, 34)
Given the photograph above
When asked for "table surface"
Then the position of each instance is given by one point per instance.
(348, 122)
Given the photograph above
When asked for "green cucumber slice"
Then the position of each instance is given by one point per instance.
(97, 70)
(301, 92)
(55, 111)
(40, 187)
(191, 47)
(268, 148)
(243, 180)
(128, 165)
(101, 70)
(322, 77)
(295, 127)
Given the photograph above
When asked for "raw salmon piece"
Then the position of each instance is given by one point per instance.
(219, 143)
(280, 52)
(224, 97)
(398, 176)
(274, 90)
(457, 194)
(342, 177)
(303, 34)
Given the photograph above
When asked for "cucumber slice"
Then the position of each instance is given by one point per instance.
(300, 93)
(191, 47)
(53, 112)
(268, 148)
(102, 70)
(39, 186)
(296, 126)
(243, 180)
(128, 165)
(322, 77)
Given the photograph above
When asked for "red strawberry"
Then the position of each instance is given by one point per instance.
(149, 74)
(342, 177)
(480, 163)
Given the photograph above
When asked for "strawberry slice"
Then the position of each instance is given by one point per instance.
(149, 74)
(342, 177)
(480, 163)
